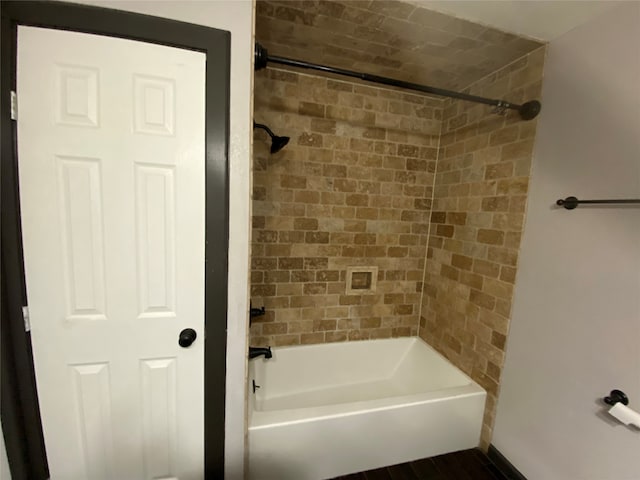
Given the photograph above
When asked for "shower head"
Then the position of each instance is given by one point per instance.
(277, 143)
(529, 110)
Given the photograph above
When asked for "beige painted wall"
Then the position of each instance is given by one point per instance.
(575, 326)
(235, 16)
(5, 474)
(530, 18)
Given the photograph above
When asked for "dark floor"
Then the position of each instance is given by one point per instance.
(464, 465)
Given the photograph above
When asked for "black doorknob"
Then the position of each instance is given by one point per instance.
(187, 337)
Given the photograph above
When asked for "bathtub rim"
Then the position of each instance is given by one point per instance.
(278, 418)
(261, 419)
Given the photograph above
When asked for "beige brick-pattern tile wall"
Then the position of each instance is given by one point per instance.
(352, 188)
(389, 38)
(478, 213)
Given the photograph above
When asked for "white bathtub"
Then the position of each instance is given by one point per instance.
(327, 410)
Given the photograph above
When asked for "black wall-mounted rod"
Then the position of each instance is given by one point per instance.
(572, 202)
(528, 110)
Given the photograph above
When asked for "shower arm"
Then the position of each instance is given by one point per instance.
(265, 128)
(528, 110)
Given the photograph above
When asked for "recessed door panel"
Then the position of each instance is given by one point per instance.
(159, 424)
(81, 218)
(93, 418)
(77, 95)
(155, 227)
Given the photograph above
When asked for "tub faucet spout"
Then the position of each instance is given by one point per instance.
(257, 351)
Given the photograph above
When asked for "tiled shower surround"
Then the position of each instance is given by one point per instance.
(478, 214)
(355, 187)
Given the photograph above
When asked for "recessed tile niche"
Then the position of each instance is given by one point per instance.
(361, 280)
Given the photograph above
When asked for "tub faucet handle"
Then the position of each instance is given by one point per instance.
(257, 351)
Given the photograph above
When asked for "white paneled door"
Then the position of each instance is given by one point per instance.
(111, 152)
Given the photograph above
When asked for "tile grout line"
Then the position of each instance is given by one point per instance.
(426, 251)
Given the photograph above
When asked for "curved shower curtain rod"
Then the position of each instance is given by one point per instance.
(528, 110)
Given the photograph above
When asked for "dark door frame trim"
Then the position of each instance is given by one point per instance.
(22, 428)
